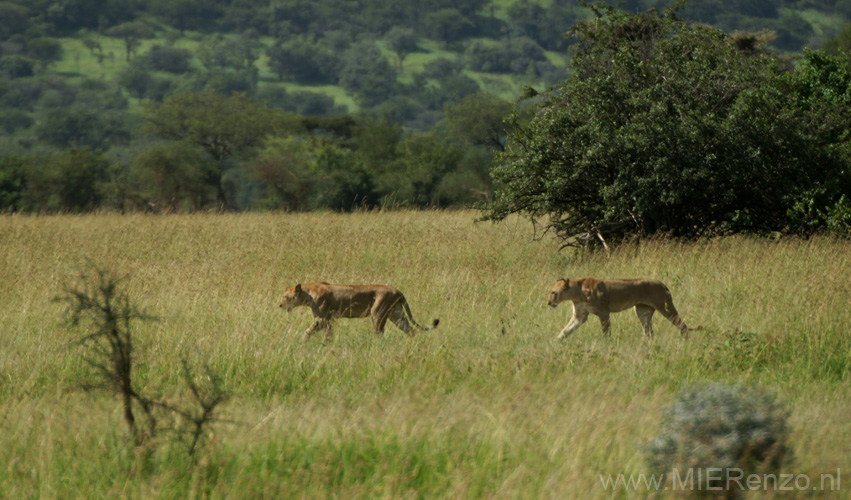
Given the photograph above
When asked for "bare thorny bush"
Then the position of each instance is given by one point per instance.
(98, 306)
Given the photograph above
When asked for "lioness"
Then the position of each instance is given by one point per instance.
(328, 302)
(602, 297)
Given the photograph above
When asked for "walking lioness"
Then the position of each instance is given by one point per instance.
(328, 302)
(602, 297)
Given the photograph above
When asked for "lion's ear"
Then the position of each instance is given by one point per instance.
(562, 279)
(298, 288)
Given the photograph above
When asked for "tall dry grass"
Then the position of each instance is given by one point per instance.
(489, 405)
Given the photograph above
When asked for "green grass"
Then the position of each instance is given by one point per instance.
(489, 405)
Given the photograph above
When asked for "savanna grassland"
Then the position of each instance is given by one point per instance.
(487, 406)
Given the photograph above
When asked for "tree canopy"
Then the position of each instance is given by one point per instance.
(220, 125)
(666, 125)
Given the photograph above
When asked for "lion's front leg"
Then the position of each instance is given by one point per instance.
(605, 322)
(310, 331)
(580, 315)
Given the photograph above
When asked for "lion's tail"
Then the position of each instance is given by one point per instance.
(414, 322)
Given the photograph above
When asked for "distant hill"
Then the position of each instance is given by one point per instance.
(400, 59)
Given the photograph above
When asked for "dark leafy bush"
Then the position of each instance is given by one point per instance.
(233, 81)
(664, 125)
(175, 177)
(12, 120)
(136, 80)
(512, 56)
(447, 24)
(443, 67)
(21, 93)
(12, 183)
(304, 103)
(69, 180)
(546, 26)
(453, 88)
(45, 50)
(14, 19)
(720, 434)
(171, 59)
(80, 126)
(305, 62)
(15, 66)
(367, 74)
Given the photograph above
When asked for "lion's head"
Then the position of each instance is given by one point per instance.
(558, 293)
(294, 296)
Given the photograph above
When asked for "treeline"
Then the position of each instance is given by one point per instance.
(211, 151)
(76, 75)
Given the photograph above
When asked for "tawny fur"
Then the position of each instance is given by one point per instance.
(603, 297)
(328, 302)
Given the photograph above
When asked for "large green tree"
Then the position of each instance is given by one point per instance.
(221, 125)
(664, 125)
(479, 119)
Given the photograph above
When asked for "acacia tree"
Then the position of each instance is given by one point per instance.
(221, 125)
(664, 125)
(479, 119)
(132, 32)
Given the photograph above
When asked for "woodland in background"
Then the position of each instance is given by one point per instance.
(318, 104)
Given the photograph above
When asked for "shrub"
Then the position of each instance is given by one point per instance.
(667, 126)
(15, 66)
(304, 62)
(728, 431)
(443, 67)
(12, 120)
(512, 56)
(102, 311)
(171, 59)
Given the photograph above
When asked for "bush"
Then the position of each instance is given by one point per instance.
(171, 59)
(44, 50)
(81, 126)
(304, 62)
(367, 75)
(442, 67)
(12, 183)
(726, 432)
(12, 120)
(300, 102)
(70, 180)
(99, 307)
(667, 126)
(512, 56)
(15, 66)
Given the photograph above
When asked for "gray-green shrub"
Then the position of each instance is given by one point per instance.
(718, 433)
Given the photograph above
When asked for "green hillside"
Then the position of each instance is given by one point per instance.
(82, 74)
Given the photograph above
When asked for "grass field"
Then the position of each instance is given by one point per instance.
(487, 406)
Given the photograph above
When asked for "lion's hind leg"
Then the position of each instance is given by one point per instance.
(379, 320)
(329, 331)
(670, 313)
(397, 316)
(645, 316)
